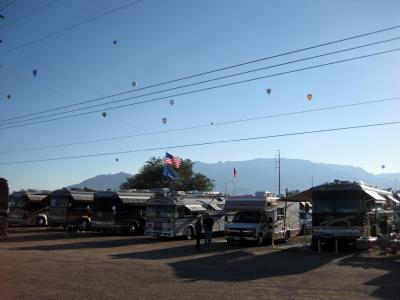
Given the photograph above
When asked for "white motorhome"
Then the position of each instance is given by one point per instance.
(173, 214)
(260, 218)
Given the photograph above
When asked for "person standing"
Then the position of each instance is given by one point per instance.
(198, 228)
(208, 223)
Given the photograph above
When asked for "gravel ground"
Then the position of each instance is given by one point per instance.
(44, 264)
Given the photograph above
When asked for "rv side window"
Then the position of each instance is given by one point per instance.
(280, 213)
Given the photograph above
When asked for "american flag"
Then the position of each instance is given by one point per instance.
(172, 160)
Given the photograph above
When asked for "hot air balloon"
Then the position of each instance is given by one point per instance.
(116, 159)
(309, 97)
(269, 91)
(104, 114)
(8, 97)
(134, 83)
(34, 72)
(2, 17)
(114, 42)
(164, 120)
(383, 166)
(212, 123)
(172, 102)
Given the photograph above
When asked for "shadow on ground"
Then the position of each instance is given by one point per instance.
(388, 285)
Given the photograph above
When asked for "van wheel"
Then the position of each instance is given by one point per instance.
(189, 233)
(132, 229)
(260, 240)
(40, 222)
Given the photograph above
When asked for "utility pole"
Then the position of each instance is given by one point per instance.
(278, 157)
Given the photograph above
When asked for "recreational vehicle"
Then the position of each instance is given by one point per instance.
(120, 212)
(71, 209)
(29, 208)
(261, 218)
(3, 209)
(173, 214)
(344, 211)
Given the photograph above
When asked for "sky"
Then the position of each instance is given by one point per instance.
(158, 41)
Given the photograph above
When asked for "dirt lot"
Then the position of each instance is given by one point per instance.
(43, 264)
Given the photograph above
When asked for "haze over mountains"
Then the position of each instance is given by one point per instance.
(261, 174)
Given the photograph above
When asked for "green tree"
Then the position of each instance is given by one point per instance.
(150, 176)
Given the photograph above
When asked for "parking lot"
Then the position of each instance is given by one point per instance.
(48, 264)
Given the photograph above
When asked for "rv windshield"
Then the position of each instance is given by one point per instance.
(20, 203)
(58, 202)
(247, 217)
(161, 211)
(12, 203)
(337, 202)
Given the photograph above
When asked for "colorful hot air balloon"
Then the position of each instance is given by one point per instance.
(34, 72)
(172, 102)
(114, 42)
(309, 97)
(269, 91)
(164, 120)
(104, 114)
(8, 97)
(134, 83)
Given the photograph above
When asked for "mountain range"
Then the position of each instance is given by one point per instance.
(261, 174)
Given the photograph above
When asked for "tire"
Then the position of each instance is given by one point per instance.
(260, 240)
(133, 229)
(40, 222)
(189, 233)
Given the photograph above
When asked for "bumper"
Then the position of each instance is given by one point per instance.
(159, 233)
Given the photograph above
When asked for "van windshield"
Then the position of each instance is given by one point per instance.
(161, 211)
(247, 217)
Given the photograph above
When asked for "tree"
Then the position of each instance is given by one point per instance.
(150, 176)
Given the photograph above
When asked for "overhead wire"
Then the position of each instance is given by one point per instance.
(210, 124)
(45, 37)
(29, 14)
(207, 72)
(205, 89)
(297, 133)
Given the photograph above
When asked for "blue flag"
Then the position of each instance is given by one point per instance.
(168, 172)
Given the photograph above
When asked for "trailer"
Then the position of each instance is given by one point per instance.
(120, 212)
(29, 208)
(173, 214)
(260, 218)
(71, 209)
(343, 211)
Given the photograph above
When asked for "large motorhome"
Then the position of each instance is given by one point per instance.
(3, 209)
(30, 208)
(344, 211)
(261, 218)
(173, 214)
(120, 212)
(71, 209)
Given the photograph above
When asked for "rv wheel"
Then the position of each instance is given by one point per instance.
(189, 233)
(40, 222)
(260, 240)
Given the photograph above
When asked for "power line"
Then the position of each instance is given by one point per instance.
(208, 72)
(205, 143)
(30, 14)
(8, 5)
(212, 124)
(204, 89)
(202, 82)
(45, 37)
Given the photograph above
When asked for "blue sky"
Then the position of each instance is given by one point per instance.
(163, 40)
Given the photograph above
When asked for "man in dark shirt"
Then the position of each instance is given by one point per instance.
(208, 223)
(198, 228)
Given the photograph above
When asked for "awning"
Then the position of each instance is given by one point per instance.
(393, 199)
(215, 206)
(195, 207)
(81, 197)
(378, 198)
(134, 199)
(36, 197)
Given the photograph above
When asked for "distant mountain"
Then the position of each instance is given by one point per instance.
(103, 182)
(262, 175)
